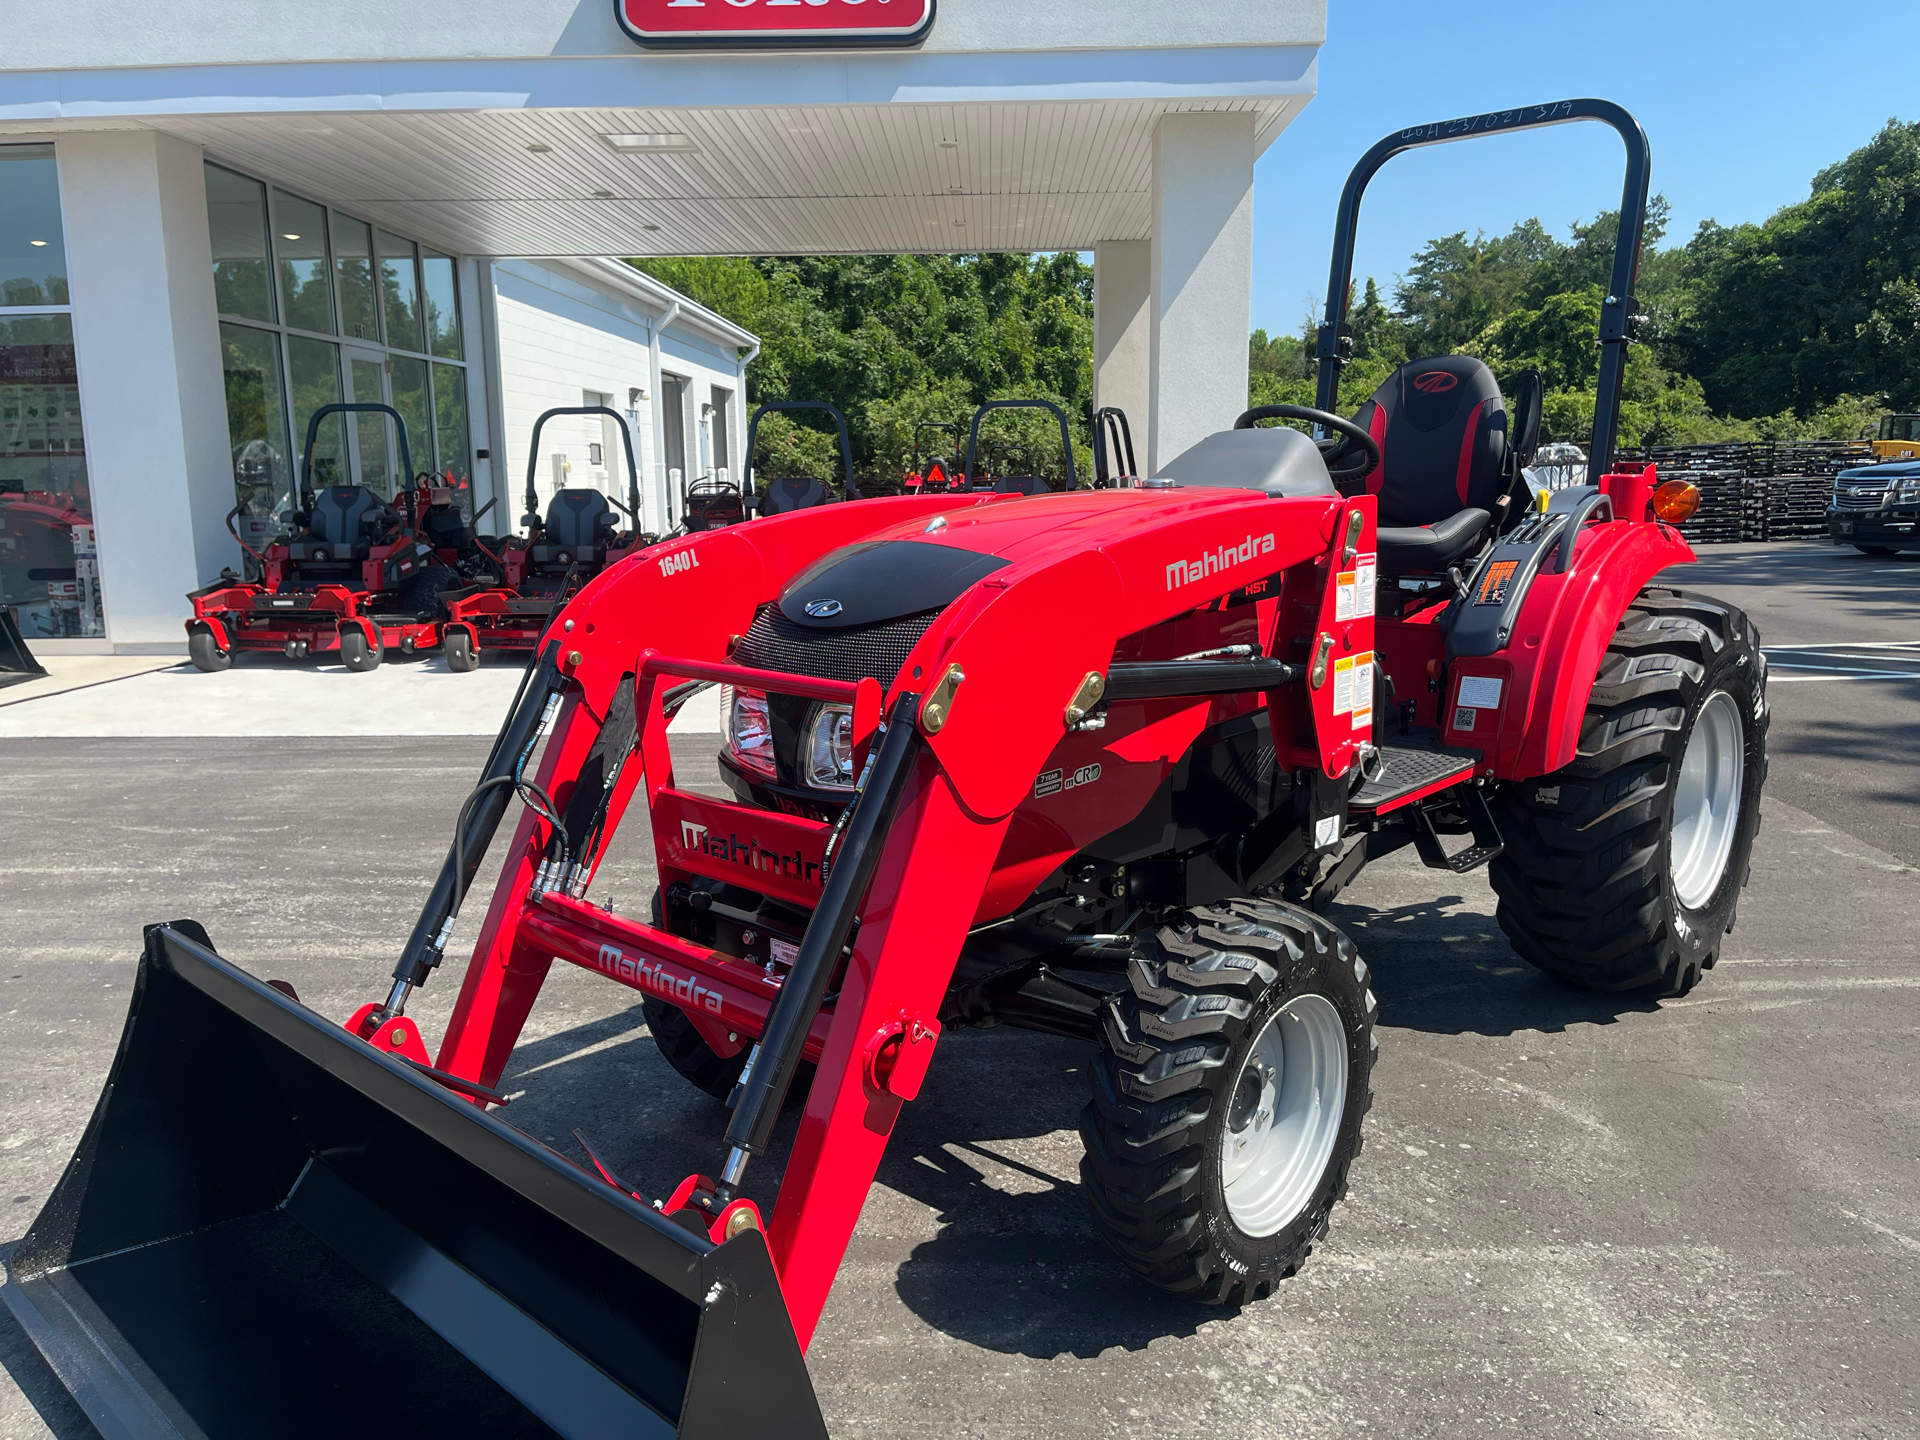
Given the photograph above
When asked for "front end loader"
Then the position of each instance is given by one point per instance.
(1090, 762)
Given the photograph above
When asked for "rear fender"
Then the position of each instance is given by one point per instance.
(1548, 669)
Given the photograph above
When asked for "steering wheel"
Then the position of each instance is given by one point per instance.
(1353, 440)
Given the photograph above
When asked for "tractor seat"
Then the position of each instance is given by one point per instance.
(1441, 425)
(1021, 485)
(1275, 462)
(799, 493)
(579, 524)
(344, 520)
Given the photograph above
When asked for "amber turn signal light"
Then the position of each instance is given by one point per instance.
(1675, 501)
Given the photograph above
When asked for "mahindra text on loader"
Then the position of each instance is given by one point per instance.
(1091, 763)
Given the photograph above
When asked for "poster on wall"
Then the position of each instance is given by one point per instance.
(774, 24)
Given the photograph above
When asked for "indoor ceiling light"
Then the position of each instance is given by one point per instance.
(539, 147)
(949, 144)
(289, 237)
(36, 242)
(603, 194)
(642, 144)
(649, 227)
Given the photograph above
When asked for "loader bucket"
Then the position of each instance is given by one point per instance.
(271, 1229)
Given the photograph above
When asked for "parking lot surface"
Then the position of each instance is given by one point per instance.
(1575, 1215)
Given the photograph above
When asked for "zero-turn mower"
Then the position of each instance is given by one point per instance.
(577, 538)
(357, 575)
(1090, 763)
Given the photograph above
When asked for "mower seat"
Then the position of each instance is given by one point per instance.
(781, 497)
(442, 528)
(579, 525)
(342, 526)
(1441, 425)
(1274, 462)
(1021, 485)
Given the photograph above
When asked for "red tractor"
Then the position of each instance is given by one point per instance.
(1091, 763)
(358, 575)
(577, 538)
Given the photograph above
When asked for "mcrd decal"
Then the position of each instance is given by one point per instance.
(1187, 572)
(684, 990)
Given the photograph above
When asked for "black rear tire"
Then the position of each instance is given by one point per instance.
(1878, 552)
(1172, 1060)
(206, 653)
(1586, 882)
(356, 653)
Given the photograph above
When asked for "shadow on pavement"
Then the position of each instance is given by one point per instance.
(1445, 970)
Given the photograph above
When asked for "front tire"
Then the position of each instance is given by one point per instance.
(1228, 1093)
(457, 646)
(1623, 870)
(357, 653)
(206, 654)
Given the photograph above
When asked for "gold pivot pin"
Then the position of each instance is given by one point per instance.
(934, 710)
(741, 1219)
(1086, 697)
(1355, 522)
(1318, 675)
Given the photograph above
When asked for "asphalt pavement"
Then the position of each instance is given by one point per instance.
(1575, 1215)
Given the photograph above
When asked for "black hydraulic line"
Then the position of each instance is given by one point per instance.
(1066, 443)
(499, 781)
(846, 445)
(354, 408)
(626, 440)
(1616, 317)
(1160, 679)
(785, 1038)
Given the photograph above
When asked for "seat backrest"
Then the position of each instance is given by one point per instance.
(1275, 462)
(442, 527)
(1442, 428)
(342, 514)
(800, 493)
(579, 519)
(1020, 485)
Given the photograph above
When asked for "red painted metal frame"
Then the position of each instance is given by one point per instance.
(1101, 575)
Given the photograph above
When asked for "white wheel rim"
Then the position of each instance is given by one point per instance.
(1706, 802)
(1283, 1115)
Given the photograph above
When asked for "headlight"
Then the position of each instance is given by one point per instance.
(749, 731)
(829, 748)
(1908, 491)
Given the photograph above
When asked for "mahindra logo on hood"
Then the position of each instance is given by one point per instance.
(1434, 382)
(771, 24)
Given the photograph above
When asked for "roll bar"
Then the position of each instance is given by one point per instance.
(1066, 444)
(354, 407)
(1112, 440)
(632, 507)
(1617, 320)
(846, 446)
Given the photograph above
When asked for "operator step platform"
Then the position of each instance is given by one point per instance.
(1409, 769)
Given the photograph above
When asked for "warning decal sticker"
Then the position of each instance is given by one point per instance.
(1493, 586)
(1343, 599)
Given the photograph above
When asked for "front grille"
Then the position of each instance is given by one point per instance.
(773, 642)
(1858, 497)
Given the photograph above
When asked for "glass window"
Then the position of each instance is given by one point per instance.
(455, 450)
(443, 307)
(237, 218)
(257, 431)
(314, 371)
(353, 265)
(371, 428)
(49, 574)
(409, 381)
(400, 293)
(33, 251)
(300, 246)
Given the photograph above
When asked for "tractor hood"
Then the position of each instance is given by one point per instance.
(880, 580)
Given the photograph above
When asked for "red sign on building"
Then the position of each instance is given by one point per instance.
(775, 24)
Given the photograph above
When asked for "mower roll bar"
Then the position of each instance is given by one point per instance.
(1617, 321)
(632, 507)
(846, 446)
(1111, 418)
(1066, 444)
(358, 407)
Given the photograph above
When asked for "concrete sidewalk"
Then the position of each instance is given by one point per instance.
(132, 697)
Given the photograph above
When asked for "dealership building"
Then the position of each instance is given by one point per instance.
(215, 221)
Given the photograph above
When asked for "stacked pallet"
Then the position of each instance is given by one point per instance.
(1756, 490)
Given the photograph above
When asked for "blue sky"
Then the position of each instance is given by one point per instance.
(1742, 101)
